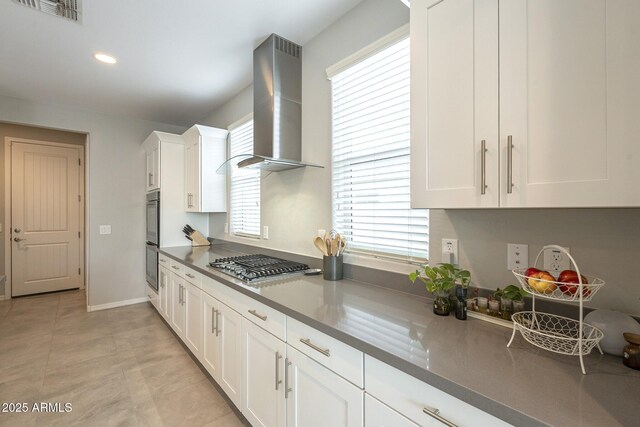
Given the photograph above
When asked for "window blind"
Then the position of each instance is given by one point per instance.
(244, 186)
(370, 157)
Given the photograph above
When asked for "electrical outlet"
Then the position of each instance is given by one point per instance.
(105, 229)
(450, 251)
(555, 260)
(265, 232)
(517, 256)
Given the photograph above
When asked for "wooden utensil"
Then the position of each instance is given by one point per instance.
(319, 243)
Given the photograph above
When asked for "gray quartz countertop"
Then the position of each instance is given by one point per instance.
(522, 385)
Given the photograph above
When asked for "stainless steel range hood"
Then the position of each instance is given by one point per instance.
(277, 108)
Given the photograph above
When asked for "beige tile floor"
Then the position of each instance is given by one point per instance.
(118, 367)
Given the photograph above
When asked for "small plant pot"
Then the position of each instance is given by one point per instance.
(518, 306)
(482, 304)
(471, 304)
(494, 306)
(441, 304)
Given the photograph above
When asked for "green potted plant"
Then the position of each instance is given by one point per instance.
(439, 280)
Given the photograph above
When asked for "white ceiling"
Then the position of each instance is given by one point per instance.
(178, 60)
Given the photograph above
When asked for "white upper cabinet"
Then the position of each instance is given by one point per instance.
(454, 103)
(570, 101)
(569, 98)
(153, 165)
(205, 151)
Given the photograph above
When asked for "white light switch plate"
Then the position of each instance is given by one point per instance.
(105, 229)
(265, 232)
(517, 256)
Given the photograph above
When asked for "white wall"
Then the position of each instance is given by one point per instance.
(296, 203)
(116, 191)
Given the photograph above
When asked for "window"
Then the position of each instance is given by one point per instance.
(244, 188)
(370, 117)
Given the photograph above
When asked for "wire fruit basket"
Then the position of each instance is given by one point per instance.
(556, 333)
(553, 289)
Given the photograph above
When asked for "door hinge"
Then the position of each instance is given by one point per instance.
(78, 197)
(79, 162)
(78, 234)
(78, 272)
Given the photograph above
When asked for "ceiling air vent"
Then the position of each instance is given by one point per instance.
(69, 9)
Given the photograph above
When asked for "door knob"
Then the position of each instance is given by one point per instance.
(17, 230)
(17, 239)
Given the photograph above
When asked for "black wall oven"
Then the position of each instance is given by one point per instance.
(153, 237)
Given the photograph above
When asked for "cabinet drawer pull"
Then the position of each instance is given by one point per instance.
(435, 413)
(213, 321)
(163, 260)
(191, 276)
(150, 179)
(217, 322)
(278, 381)
(286, 378)
(509, 164)
(483, 167)
(259, 316)
(175, 268)
(308, 342)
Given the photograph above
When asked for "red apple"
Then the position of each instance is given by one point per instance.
(531, 271)
(542, 282)
(570, 276)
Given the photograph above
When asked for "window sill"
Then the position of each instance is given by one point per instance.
(370, 261)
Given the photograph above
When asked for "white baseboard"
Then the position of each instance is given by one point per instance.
(117, 304)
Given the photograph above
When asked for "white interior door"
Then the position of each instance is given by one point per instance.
(45, 218)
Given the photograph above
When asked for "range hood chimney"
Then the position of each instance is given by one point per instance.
(277, 107)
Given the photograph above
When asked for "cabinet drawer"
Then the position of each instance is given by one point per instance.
(414, 398)
(264, 316)
(164, 261)
(177, 268)
(193, 277)
(341, 358)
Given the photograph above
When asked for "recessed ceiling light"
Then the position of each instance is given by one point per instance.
(103, 57)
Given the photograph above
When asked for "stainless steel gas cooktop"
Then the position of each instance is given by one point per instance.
(257, 269)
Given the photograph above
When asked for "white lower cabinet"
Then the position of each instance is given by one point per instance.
(164, 285)
(222, 346)
(263, 397)
(177, 305)
(318, 397)
(420, 402)
(377, 414)
(192, 301)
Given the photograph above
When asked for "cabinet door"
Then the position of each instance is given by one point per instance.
(317, 397)
(211, 341)
(229, 325)
(377, 414)
(192, 176)
(192, 297)
(570, 102)
(153, 167)
(454, 103)
(164, 284)
(177, 304)
(263, 402)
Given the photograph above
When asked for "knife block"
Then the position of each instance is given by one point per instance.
(198, 239)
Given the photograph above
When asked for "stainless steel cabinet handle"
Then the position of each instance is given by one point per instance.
(278, 381)
(150, 179)
(509, 164)
(181, 295)
(435, 413)
(17, 239)
(175, 268)
(213, 319)
(191, 276)
(217, 322)
(163, 260)
(483, 167)
(287, 389)
(308, 342)
(259, 316)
